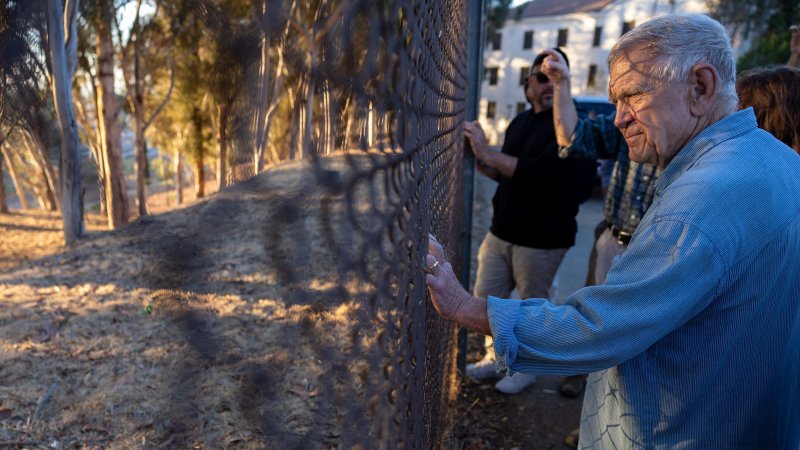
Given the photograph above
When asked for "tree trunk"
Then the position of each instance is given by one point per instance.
(140, 146)
(348, 123)
(277, 93)
(262, 90)
(200, 174)
(265, 121)
(116, 190)
(328, 135)
(23, 199)
(69, 162)
(3, 204)
(94, 145)
(102, 180)
(41, 197)
(41, 159)
(178, 177)
(297, 145)
(48, 172)
(308, 140)
(140, 156)
(222, 178)
(199, 170)
(145, 162)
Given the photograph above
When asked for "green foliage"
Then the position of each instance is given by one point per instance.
(161, 167)
(773, 48)
(498, 12)
(766, 22)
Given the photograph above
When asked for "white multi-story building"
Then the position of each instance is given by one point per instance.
(585, 29)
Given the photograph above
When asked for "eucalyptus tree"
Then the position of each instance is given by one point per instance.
(229, 32)
(26, 90)
(142, 55)
(16, 179)
(38, 41)
(190, 105)
(13, 48)
(273, 25)
(97, 59)
(62, 39)
(232, 35)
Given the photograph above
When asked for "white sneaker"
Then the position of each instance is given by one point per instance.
(483, 370)
(515, 383)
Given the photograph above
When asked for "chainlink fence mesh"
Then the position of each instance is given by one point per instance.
(366, 99)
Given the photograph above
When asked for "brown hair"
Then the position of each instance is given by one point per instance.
(774, 94)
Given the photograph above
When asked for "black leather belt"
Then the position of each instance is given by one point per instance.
(623, 237)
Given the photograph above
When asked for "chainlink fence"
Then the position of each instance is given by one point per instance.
(364, 158)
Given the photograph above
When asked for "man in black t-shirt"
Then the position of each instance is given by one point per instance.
(535, 205)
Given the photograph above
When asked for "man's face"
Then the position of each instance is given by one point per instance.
(656, 121)
(540, 89)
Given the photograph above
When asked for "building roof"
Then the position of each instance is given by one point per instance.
(538, 8)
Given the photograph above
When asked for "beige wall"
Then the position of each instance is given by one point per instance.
(511, 57)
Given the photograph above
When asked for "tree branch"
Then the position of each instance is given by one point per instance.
(169, 91)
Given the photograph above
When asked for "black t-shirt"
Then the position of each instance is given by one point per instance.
(537, 206)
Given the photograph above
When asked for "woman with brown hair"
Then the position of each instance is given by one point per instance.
(774, 94)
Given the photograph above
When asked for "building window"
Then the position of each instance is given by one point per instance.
(495, 39)
(592, 81)
(491, 74)
(563, 33)
(528, 41)
(521, 107)
(627, 26)
(523, 75)
(490, 109)
(598, 31)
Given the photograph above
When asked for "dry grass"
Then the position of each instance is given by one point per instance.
(176, 331)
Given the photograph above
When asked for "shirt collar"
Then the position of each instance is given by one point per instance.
(726, 128)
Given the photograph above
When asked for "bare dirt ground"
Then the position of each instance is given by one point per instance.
(196, 328)
(91, 356)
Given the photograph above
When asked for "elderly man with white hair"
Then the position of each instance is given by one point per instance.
(694, 338)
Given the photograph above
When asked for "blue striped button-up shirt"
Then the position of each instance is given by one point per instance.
(632, 185)
(695, 336)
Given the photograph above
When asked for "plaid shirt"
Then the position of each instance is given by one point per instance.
(632, 185)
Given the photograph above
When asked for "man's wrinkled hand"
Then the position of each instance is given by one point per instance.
(447, 295)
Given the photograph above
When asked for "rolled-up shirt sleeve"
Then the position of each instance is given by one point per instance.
(668, 275)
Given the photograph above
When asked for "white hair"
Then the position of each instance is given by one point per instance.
(678, 42)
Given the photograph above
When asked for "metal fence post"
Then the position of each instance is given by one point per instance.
(477, 27)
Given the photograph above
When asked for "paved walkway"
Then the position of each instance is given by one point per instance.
(572, 273)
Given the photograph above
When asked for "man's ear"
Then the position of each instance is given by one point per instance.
(704, 88)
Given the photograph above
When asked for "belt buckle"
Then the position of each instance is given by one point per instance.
(623, 238)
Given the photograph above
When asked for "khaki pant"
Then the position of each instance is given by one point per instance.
(503, 266)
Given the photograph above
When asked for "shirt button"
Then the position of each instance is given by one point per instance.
(638, 197)
(633, 216)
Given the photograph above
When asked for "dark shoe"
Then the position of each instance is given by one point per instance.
(572, 386)
(571, 440)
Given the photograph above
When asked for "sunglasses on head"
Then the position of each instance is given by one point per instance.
(540, 77)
